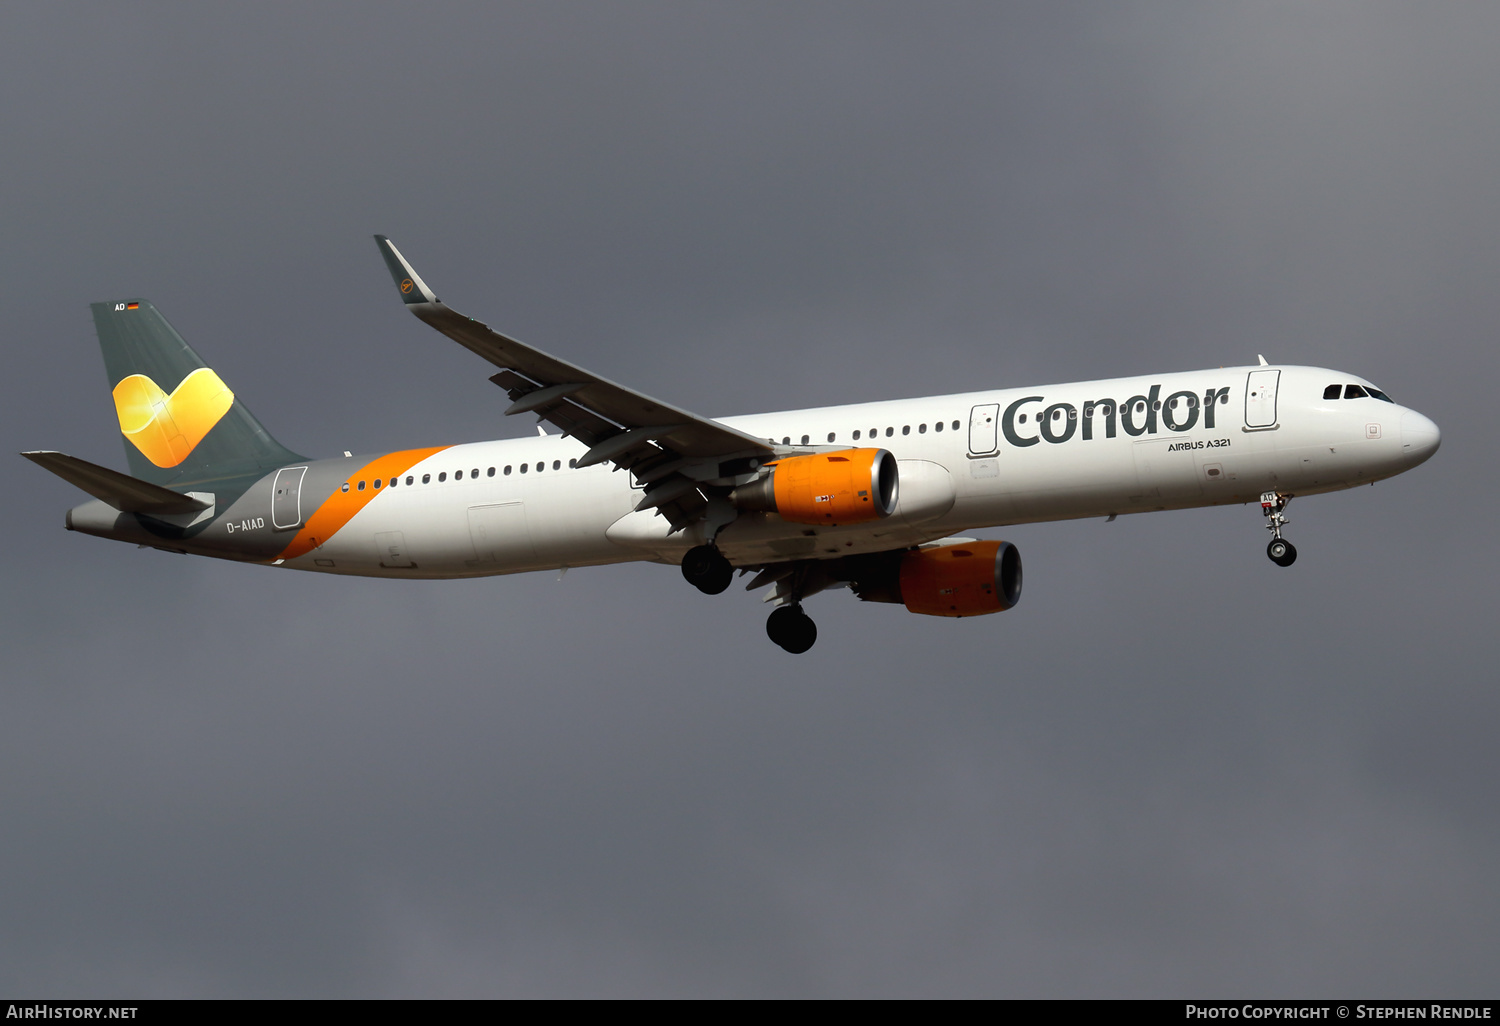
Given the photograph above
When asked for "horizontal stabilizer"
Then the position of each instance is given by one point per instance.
(125, 493)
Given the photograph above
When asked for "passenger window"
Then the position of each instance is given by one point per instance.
(830, 436)
(572, 464)
(491, 472)
(557, 464)
(395, 481)
(906, 429)
(1332, 391)
(507, 471)
(921, 429)
(804, 439)
(889, 432)
(346, 486)
(442, 477)
(379, 481)
(856, 436)
(787, 440)
(361, 486)
(474, 473)
(1023, 418)
(426, 478)
(541, 467)
(955, 425)
(458, 475)
(525, 467)
(408, 479)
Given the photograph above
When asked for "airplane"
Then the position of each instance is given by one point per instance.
(873, 497)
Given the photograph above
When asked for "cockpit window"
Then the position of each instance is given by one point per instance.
(1354, 392)
(1376, 393)
(1332, 391)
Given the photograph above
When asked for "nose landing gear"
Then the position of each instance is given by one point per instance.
(791, 628)
(1280, 551)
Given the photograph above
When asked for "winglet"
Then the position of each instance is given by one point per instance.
(413, 289)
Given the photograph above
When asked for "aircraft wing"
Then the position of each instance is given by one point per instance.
(669, 450)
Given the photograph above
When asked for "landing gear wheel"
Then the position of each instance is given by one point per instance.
(706, 569)
(792, 629)
(1282, 552)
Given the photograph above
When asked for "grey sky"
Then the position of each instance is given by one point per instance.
(1173, 770)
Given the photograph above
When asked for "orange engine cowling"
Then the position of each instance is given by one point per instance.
(970, 579)
(851, 486)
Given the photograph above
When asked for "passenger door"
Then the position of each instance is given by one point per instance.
(286, 498)
(984, 428)
(1260, 398)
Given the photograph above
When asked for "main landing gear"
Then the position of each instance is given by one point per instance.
(1281, 551)
(791, 628)
(706, 569)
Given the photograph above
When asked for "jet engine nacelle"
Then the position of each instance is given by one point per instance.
(851, 486)
(968, 579)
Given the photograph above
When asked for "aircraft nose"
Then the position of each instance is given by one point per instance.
(1420, 437)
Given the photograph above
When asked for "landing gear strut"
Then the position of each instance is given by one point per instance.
(791, 628)
(1281, 551)
(706, 569)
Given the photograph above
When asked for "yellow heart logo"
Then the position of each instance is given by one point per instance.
(167, 428)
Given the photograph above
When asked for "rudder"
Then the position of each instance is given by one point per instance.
(181, 424)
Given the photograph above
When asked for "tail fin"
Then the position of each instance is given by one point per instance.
(181, 423)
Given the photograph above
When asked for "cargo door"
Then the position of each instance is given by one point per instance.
(500, 534)
(391, 548)
(1164, 473)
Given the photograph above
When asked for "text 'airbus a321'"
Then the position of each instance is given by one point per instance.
(870, 496)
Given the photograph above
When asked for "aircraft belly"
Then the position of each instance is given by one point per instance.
(489, 526)
(567, 515)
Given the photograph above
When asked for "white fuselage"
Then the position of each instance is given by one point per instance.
(974, 460)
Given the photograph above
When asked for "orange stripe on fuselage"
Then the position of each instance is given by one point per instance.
(339, 508)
